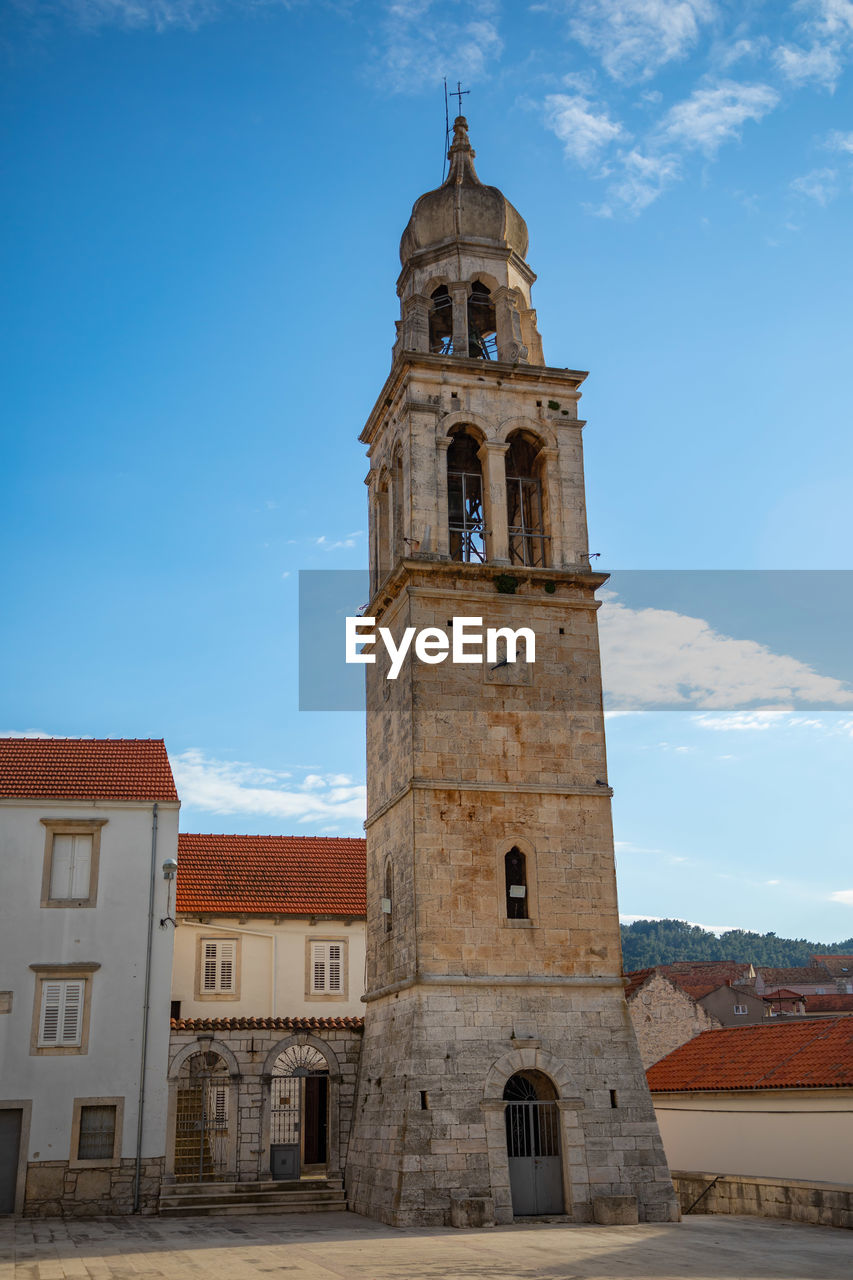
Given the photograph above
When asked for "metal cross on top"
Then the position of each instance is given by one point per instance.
(459, 93)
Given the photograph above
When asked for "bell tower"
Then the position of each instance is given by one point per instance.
(499, 1073)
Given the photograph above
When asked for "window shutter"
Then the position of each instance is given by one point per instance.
(335, 967)
(220, 1106)
(226, 966)
(72, 1013)
(208, 977)
(60, 866)
(51, 1003)
(61, 1013)
(318, 960)
(81, 866)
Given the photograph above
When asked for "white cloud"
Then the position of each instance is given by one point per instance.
(584, 130)
(694, 924)
(842, 895)
(821, 64)
(642, 178)
(710, 117)
(826, 34)
(423, 44)
(838, 141)
(29, 733)
(818, 185)
(656, 657)
(235, 786)
(634, 38)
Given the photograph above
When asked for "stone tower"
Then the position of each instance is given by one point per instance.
(499, 1071)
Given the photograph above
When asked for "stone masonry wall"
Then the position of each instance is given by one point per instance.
(253, 1044)
(664, 1018)
(819, 1203)
(56, 1191)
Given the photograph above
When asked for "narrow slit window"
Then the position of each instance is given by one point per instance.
(515, 866)
(388, 896)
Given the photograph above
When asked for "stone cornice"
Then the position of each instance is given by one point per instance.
(462, 367)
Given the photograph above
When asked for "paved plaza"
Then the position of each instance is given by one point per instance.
(344, 1246)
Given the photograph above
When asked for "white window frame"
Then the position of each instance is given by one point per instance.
(327, 975)
(741, 1010)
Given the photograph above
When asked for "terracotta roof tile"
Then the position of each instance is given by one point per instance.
(86, 769)
(281, 875)
(636, 979)
(788, 1055)
(839, 966)
(813, 974)
(267, 1024)
(838, 1003)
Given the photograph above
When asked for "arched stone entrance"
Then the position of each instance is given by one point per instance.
(205, 1119)
(301, 1120)
(533, 1144)
(531, 1114)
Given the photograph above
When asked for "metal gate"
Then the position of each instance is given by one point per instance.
(290, 1145)
(533, 1150)
(201, 1122)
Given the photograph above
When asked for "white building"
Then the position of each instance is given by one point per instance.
(85, 828)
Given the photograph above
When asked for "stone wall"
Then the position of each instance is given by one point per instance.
(664, 1018)
(56, 1191)
(250, 1046)
(823, 1204)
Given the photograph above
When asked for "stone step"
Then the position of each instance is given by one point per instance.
(247, 1210)
(250, 1188)
(320, 1195)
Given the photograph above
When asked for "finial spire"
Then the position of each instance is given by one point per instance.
(461, 156)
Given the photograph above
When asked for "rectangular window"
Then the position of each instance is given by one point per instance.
(218, 965)
(71, 860)
(97, 1136)
(70, 866)
(61, 1017)
(741, 1009)
(327, 968)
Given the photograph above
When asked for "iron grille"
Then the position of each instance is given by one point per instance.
(532, 1129)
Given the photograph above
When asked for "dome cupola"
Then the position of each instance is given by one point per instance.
(463, 209)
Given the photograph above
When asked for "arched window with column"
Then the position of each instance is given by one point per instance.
(465, 512)
(482, 328)
(441, 321)
(526, 526)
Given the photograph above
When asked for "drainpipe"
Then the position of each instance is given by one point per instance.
(137, 1177)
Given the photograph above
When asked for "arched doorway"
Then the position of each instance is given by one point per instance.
(202, 1119)
(533, 1144)
(299, 1113)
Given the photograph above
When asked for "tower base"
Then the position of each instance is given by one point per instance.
(435, 1140)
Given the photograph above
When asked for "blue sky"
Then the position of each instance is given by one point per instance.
(201, 243)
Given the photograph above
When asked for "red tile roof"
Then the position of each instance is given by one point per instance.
(267, 1024)
(788, 1055)
(86, 769)
(812, 975)
(282, 875)
(829, 1004)
(838, 965)
(636, 979)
